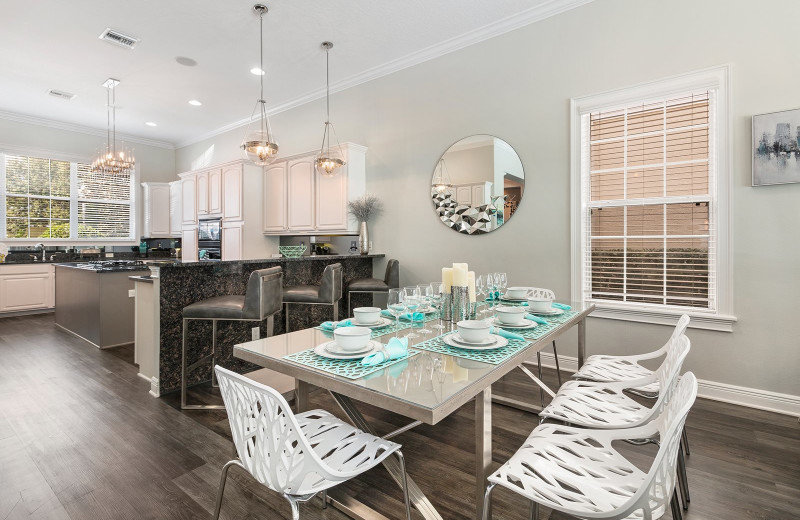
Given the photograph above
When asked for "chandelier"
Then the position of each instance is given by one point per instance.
(259, 146)
(328, 159)
(441, 180)
(110, 161)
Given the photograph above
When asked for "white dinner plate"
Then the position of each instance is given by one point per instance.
(330, 350)
(490, 340)
(551, 312)
(527, 324)
(513, 300)
(499, 343)
(378, 324)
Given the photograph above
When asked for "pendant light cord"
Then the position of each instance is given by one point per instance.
(261, 65)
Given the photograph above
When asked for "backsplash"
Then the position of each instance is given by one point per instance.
(336, 244)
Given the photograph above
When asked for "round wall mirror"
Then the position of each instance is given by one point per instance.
(477, 184)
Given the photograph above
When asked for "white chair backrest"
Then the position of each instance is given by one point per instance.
(678, 331)
(538, 292)
(667, 373)
(267, 437)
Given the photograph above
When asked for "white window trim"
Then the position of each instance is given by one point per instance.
(717, 78)
(10, 149)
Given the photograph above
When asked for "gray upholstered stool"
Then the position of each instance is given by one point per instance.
(328, 292)
(373, 285)
(261, 301)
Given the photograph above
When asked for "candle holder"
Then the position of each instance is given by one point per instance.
(446, 312)
(473, 310)
(460, 296)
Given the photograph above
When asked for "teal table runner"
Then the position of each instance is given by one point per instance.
(349, 368)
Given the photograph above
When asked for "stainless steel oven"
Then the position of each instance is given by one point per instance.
(209, 238)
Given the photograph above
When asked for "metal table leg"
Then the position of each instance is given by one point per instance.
(581, 342)
(483, 448)
(300, 396)
(392, 465)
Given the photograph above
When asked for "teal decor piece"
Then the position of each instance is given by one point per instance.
(292, 251)
(349, 368)
(494, 356)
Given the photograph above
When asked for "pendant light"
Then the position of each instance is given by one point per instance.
(441, 180)
(259, 146)
(110, 161)
(328, 159)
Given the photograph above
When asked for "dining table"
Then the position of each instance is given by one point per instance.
(433, 381)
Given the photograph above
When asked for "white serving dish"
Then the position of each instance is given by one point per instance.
(331, 350)
(352, 339)
(499, 342)
(366, 315)
(540, 304)
(511, 315)
(474, 331)
(525, 325)
(517, 293)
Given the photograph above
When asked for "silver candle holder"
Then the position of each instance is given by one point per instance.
(460, 305)
(473, 310)
(446, 311)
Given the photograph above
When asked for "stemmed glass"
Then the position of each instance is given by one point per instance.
(436, 302)
(480, 294)
(425, 305)
(396, 306)
(501, 282)
(411, 299)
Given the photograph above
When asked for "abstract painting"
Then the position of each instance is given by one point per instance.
(776, 148)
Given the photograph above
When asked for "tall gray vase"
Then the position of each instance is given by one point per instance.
(363, 238)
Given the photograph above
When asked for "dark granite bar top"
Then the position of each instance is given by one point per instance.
(272, 260)
(60, 257)
(125, 269)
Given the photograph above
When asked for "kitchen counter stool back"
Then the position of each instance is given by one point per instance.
(328, 292)
(391, 280)
(262, 300)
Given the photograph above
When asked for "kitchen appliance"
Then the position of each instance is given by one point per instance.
(209, 238)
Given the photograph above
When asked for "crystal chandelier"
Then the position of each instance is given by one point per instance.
(328, 159)
(111, 161)
(441, 180)
(259, 146)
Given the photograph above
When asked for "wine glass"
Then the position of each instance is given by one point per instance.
(426, 295)
(411, 299)
(396, 306)
(436, 302)
(480, 294)
(502, 283)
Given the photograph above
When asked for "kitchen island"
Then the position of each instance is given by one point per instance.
(176, 285)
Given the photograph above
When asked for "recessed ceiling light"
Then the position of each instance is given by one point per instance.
(188, 62)
(150, 123)
(194, 102)
(256, 71)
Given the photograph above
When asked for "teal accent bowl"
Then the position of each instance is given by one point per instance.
(292, 251)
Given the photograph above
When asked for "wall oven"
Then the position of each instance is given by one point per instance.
(209, 239)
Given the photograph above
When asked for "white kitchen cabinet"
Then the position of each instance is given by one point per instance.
(27, 287)
(331, 202)
(189, 244)
(215, 192)
(201, 179)
(188, 199)
(156, 205)
(175, 208)
(275, 198)
(464, 195)
(300, 176)
(232, 240)
(231, 183)
(481, 193)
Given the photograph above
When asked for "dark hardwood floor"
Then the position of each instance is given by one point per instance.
(81, 438)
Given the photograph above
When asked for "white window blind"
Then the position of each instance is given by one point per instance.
(104, 204)
(649, 224)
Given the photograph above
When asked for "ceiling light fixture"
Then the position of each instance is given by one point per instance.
(328, 159)
(110, 161)
(259, 146)
(195, 103)
(257, 71)
(150, 123)
(441, 180)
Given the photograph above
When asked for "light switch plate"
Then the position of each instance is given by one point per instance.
(256, 333)
(131, 293)
(109, 255)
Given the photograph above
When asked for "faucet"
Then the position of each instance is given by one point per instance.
(37, 246)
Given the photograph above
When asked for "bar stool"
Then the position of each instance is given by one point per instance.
(373, 285)
(261, 301)
(329, 292)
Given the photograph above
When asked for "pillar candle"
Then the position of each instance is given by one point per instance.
(471, 285)
(447, 279)
(460, 275)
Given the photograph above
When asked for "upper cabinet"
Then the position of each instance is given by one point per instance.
(156, 205)
(232, 192)
(188, 199)
(298, 200)
(201, 187)
(215, 192)
(175, 208)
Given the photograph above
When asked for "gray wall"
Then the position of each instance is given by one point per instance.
(517, 87)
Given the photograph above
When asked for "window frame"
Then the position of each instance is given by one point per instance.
(73, 159)
(717, 79)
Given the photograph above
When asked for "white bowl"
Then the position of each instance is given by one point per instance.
(511, 315)
(540, 304)
(474, 331)
(517, 293)
(367, 315)
(352, 339)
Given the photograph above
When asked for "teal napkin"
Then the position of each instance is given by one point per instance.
(505, 333)
(417, 316)
(562, 306)
(536, 319)
(330, 325)
(396, 348)
(493, 296)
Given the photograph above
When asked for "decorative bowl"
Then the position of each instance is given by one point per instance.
(473, 331)
(366, 315)
(540, 304)
(511, 315)
(352, 338)
(292, 251)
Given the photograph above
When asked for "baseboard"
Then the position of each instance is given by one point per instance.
(750, 397)
(154, 390)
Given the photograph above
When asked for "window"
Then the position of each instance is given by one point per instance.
(53, 200)
(649, 203)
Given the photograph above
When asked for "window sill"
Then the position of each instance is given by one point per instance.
(717, 322)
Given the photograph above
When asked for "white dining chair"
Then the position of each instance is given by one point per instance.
(295, 455)
(538, 292)
(579, 472)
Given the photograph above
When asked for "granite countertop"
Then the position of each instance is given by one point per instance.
(306, 258)
(77, 265)
(145, 279)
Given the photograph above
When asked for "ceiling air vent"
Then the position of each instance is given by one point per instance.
(60, 94)
(117, 38)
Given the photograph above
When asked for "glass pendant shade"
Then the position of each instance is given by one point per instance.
(109, 160)
(330, 158)
(441, 180)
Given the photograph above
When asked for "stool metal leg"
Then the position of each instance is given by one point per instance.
(185, 374)
(214, 383)
(183, 363)
(349, 305)
(286, 319)
(270, 326)
(336, 311)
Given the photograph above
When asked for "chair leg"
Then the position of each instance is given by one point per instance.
(558, 369)
(685, 441)
(183, 363)
(684, 479)
(676, 508)
(221, 490)
(349, 305)
(324, 499)
(295, 506)
(214, 383)
(286, 319)
(487, 502)
(271, 326)
(534, 513)
(541, 390)
(335, 310)
(405, 483)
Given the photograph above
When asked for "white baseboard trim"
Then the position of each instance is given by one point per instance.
(750, 397)
(154, 390)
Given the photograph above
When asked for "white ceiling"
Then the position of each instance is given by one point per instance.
(54, 44)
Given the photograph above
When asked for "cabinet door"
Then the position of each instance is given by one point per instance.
(301, 194)
(464, 195)
(189, 244)
(331, 202)
(215, 192)
(157, 211)
(202, 194)
(478, 195)
(232, 240)
(275, 195)
(232, 193)
(175, 209)
(26, 292)
(188, 201)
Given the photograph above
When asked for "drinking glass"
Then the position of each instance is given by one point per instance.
(411, 299)
(426, 296)
(436, 302)
(502, 283)
(480, 294)
(396, 306)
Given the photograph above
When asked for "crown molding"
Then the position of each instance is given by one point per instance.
(508, 24)
(88, 130)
